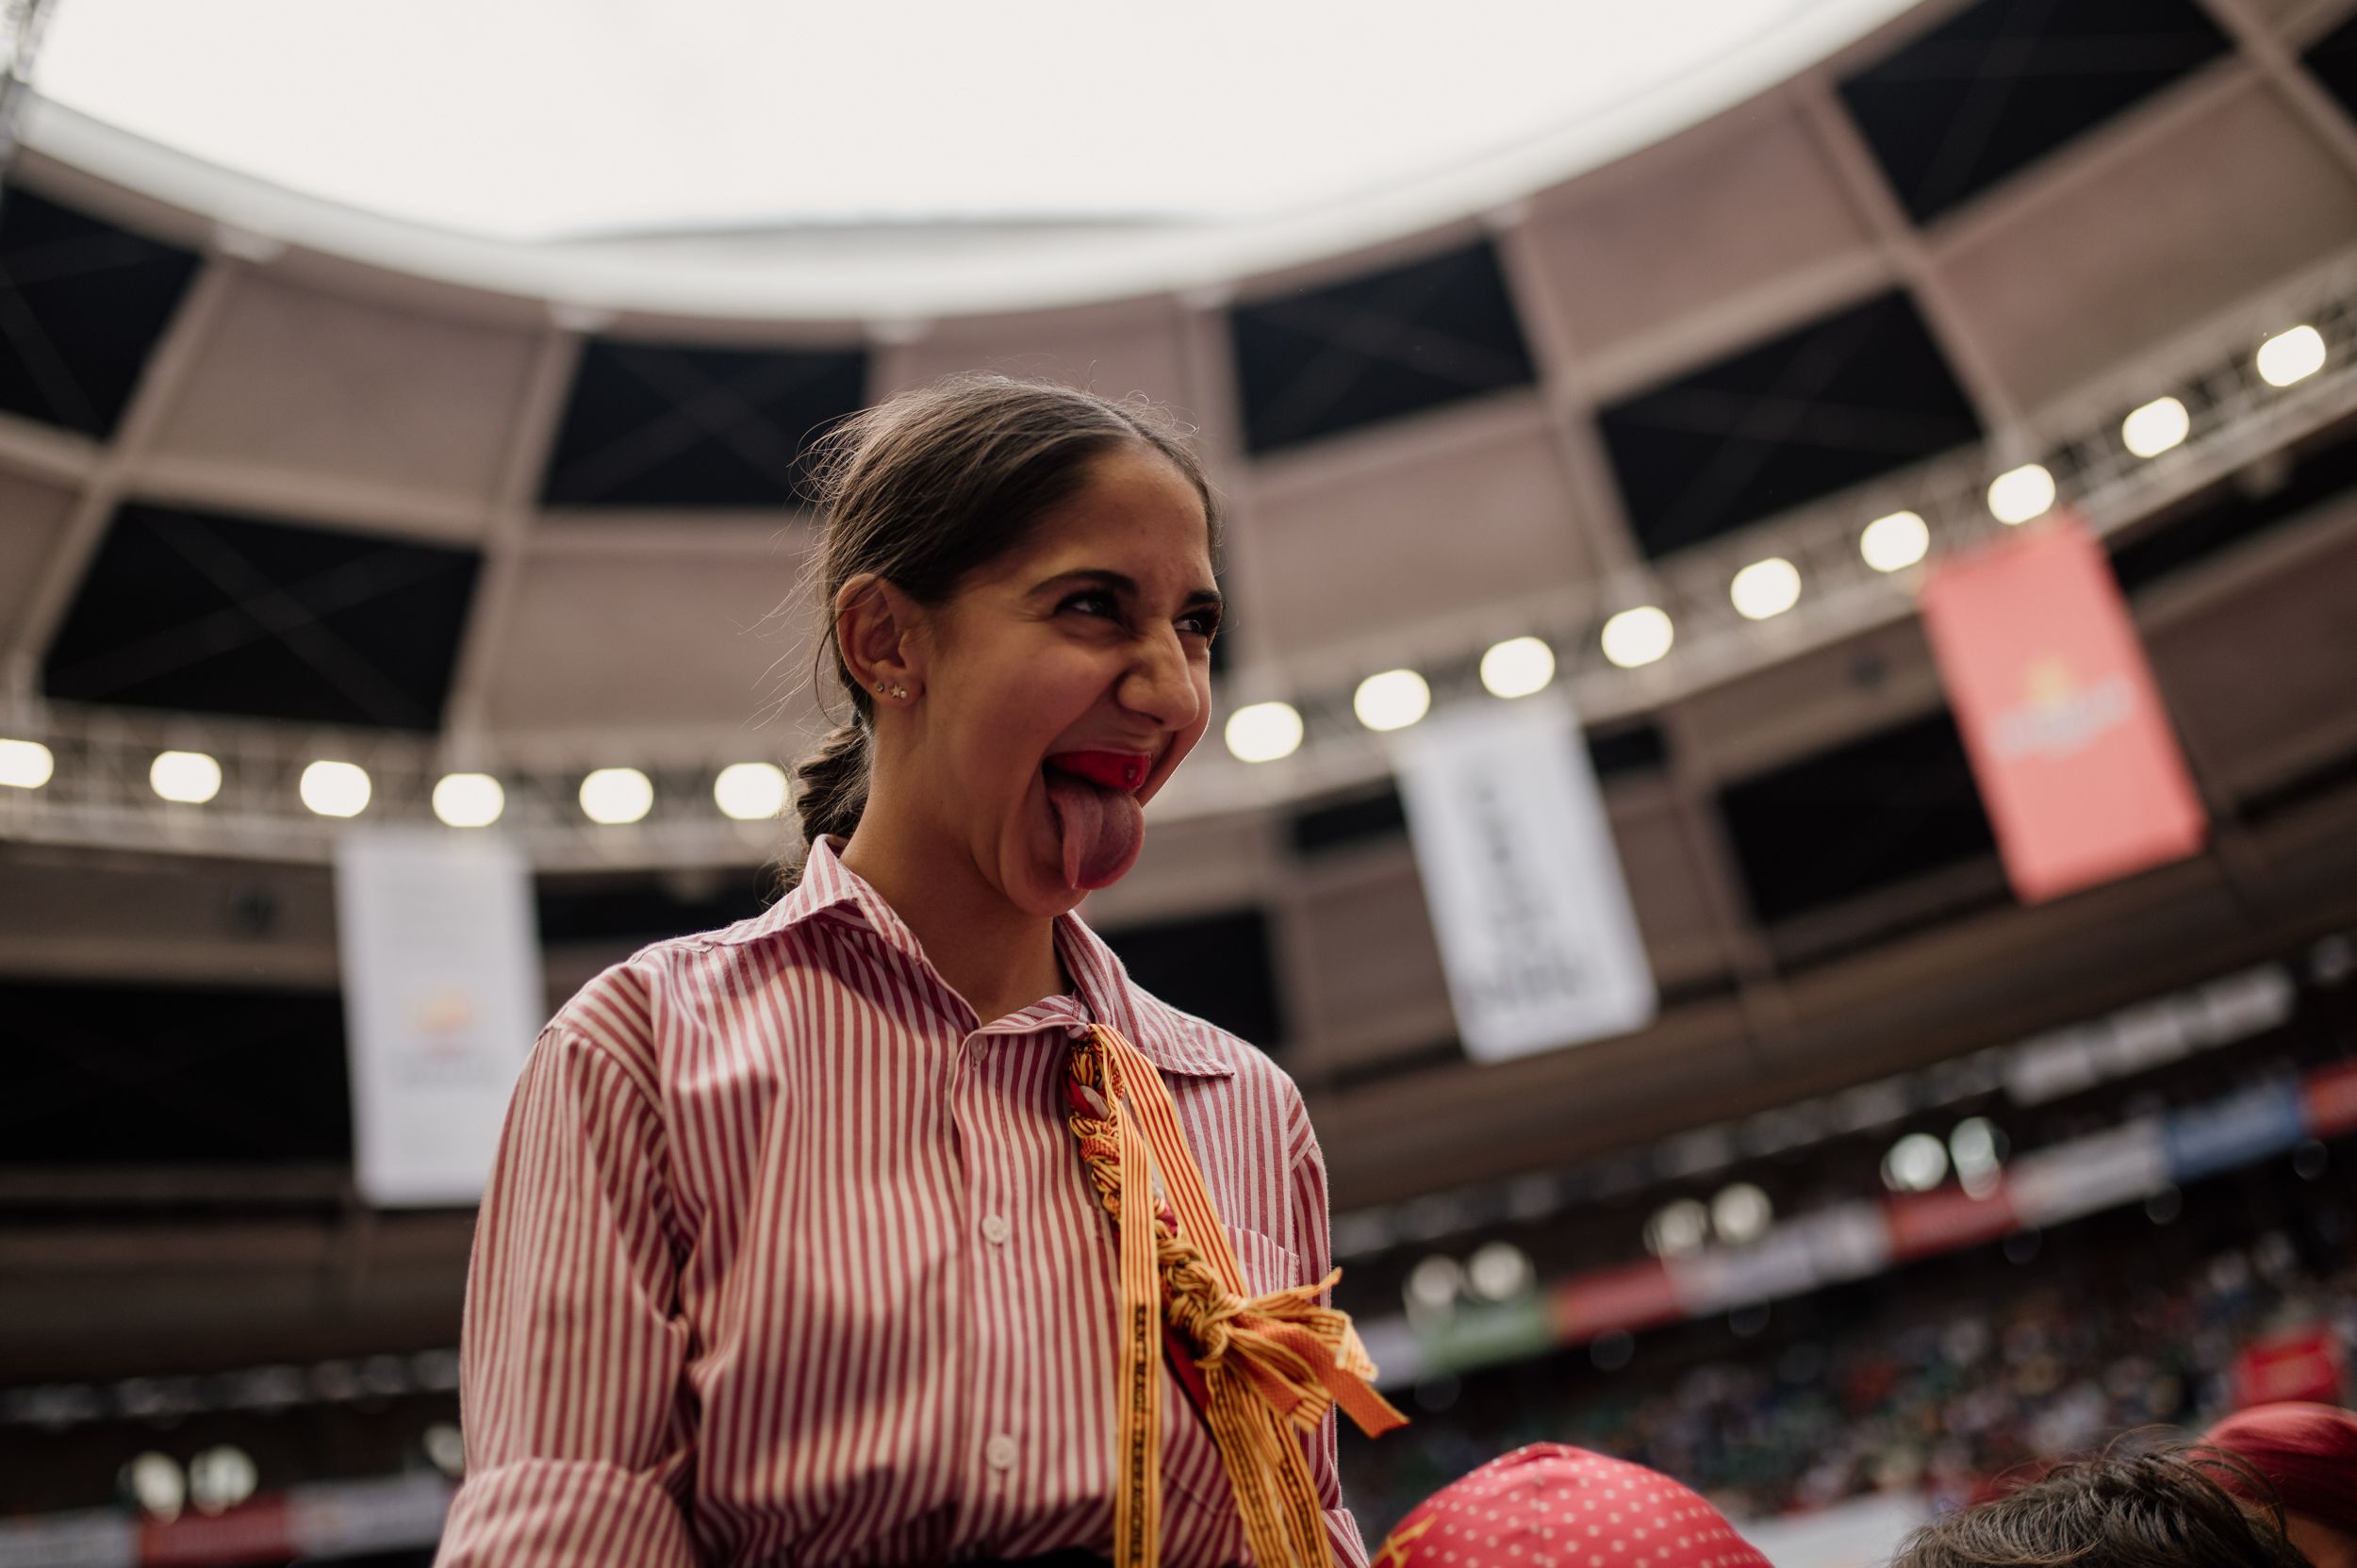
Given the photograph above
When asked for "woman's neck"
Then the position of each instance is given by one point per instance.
(1001, 959)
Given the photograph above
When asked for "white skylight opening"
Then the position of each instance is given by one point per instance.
(532, 119)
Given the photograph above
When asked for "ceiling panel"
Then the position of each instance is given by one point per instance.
(653, 424)
(32, 519)
(1825, 406)
(2108, 259)
(316, 384)
(1316, 361)
(655, 640)
(1684, 229)
(220, 614)
(1343, 551)
(82, 304)
(1113, 349)
(2003, 83)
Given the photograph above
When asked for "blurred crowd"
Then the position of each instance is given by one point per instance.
(1936, 1380)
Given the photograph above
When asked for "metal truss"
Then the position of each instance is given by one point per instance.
(99, 795)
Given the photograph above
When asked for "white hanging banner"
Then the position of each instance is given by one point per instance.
(442, 998)
(1536, 932)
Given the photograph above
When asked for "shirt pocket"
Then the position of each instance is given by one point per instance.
(1190, 1463)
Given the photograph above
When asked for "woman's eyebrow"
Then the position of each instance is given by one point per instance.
(1124, 584)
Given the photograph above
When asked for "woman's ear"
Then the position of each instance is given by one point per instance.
(875, 627)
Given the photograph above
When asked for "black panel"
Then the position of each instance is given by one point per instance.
(1869, 813)
(650, 425)
(81, 304)
(129, 1075)
(1215, 966)
(1827, 406)
(217, 614)
(2333, 58)
(2225, 515)
(2005, 82)
(1320, 361)
(638, 909)
(1358, 818)
(1629, 749)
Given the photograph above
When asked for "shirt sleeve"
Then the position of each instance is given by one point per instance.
(580, 1447)
(1313, 1236)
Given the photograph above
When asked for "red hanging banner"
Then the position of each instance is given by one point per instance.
(2076, 762)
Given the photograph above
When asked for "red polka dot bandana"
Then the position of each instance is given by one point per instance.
(1548, 1506)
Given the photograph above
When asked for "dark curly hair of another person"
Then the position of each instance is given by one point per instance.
(2167, 1508)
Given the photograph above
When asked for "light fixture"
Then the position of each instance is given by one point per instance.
(1740, 1213)
(2020, 494)
(446, 1447)
(468, 800)
(1637, 637)
(1392, 701)
(612, 796)
(25, 764)
(750, 791)
(1677, 1230)
(1766, 588)
(1978, 1152)
(1263, 732)
(221, 1477)
(191, 778)
(1499, 1271)
(1895, 542)
(2290, 356)
(1915, 1164)
(1435, 1283)
(335, 788)
(2155, 428)
(157, 1483)
(1517, 666)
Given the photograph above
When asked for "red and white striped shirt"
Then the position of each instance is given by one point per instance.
(786, 1258)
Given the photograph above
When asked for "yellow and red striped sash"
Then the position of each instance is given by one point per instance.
(1267, 1363)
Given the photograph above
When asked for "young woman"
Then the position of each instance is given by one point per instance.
(821, 1238)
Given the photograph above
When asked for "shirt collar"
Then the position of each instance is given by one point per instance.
(1107, 994)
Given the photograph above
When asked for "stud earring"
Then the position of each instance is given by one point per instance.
(897, 691)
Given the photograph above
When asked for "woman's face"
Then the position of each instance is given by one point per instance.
(1090, 643)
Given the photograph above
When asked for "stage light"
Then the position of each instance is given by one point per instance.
(1740, 1213)
(2290, 356)
(1766, 588)
(750, 791)
(1677, 1230)
(191, 778)
(2020, 494)
(1434, 1285)
(446, 1447)
(1637, 637)
(468, 800)
(1977, 1150)
(1915, 1164)
(1895, 542)
(220, 1478)
(1499, 1272)
(157, 1483)
(25, 764)
(1392, 701)
(1263, 732)
(2155, 428)
(335, 788)
(614, 797)
(1517, 666)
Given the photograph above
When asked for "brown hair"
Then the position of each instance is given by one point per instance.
(2161, 1510)
(922, 489)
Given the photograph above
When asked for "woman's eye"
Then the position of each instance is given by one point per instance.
(1204, 626)
(1103, 603)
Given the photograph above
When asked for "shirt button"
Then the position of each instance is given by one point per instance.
(996, 1230)
(1000, 1452)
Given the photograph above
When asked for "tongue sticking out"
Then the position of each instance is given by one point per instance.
(1101, 822)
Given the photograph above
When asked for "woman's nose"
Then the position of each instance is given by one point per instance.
(1161, 684)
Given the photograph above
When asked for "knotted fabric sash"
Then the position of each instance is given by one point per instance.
(1265, 1363)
